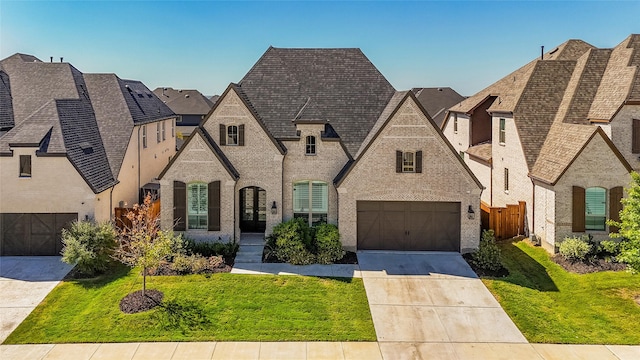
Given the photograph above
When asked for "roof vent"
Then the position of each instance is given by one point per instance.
(50, 58)
(439, 89)
(186, 95)
(61, 58)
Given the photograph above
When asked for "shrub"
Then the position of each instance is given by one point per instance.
(291, 242)
(610, 247)
(88, 246)
(208, 249)
(195, 264)
(575, 248)
(327, 244)
(487, 257)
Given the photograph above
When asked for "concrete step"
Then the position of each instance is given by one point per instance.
(248, 258)
(251, 249)
(253, 240)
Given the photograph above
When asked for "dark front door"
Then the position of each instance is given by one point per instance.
(253, 209)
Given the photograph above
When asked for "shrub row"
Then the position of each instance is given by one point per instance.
(296, 243)
(582, 248)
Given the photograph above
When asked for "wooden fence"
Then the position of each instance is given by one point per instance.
(120, 214)
(506, 222)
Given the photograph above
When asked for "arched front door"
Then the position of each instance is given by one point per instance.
(253, 209)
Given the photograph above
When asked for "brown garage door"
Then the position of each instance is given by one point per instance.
(409, 225)
(32, 234)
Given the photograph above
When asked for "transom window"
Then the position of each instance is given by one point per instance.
(232, 135)
(311, 145)
(25, 165)
(503, 131)
(311, 201)
(197, 206)
(408, 162)
(595, 208)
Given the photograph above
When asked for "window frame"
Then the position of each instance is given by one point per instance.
(158, 132)
(173, 129)
(310, 145)
(229, 135)
(310, 212)
(506, 180)
(164, 132)
(144, 136)
(202, 218)
(590, 218)
(455, 123)
(23, 165)
(408, 167)
(502, 128)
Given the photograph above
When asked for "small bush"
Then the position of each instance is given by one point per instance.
(88, 246)
(208, 249)
(291, 242)
(575, 248)
(195, 264)
(487, 257)
(327, 244)
(610, 247)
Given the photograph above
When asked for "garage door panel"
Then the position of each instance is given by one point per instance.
(368, 229)
(392, 225)
(33, 233)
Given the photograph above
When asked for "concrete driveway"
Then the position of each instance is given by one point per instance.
(423, 302)
(24, 283)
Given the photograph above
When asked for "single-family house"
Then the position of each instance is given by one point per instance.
(320, 134)
(560, 134)
(437, 100)
(190, 107)
(72, 146)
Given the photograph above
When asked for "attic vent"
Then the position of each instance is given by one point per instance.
(86, 147)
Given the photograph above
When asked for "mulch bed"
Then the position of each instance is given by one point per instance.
(586, 267)
(348, 258)
(502, 272)
(136, 302)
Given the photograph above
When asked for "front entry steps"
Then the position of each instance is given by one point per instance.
(251, 248)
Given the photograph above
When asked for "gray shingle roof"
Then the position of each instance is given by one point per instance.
(87, 117)
(184, 102)
(339, 86)
(437, 100)
(6, 106)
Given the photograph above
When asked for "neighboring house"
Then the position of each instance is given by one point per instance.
(320, 134)
(436, 101)
(562, 134)
(72, 146)
(190, 107)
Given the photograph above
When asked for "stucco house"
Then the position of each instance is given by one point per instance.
(190, 107)
(321, 135)
(72, 146)
(561, 134)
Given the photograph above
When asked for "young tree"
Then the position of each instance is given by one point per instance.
(629, 226)
(141, 243)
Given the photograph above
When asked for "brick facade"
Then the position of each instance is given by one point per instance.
(621, 132)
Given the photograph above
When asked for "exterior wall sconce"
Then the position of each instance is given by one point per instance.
(274, 208)
(470, 213)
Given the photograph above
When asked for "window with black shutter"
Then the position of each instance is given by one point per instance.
(635, 141)
(214, 206)
(179, 205)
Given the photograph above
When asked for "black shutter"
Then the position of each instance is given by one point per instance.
(635, 140)
(223, 134)
(241, 135)
(398, 161)
(179, 205)
(418, 161)
(578, 208)
(214, 206)
(615, 206)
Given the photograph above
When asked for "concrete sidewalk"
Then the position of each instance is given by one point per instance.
(317, 350)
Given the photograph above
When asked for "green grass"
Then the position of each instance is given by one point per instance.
(551, 305)
(221, 307)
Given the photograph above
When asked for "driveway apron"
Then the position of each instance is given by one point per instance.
(431, 297)
(24, 282)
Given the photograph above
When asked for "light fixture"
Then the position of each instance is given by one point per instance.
(274, 208)
(470, 213)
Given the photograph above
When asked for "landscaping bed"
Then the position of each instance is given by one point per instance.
(349, 257)
(589, 266)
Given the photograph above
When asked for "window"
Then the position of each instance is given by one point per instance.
(158, 132)
(232, 135)
(595, 208)
(635, 137)
(455, 123)
(164, 136)
(25, 165)
(311, 145)
(408, 162)
(506, 179)
(311, 201)
(173, 129)
(144, 136)
(197, 206)
(502, 130)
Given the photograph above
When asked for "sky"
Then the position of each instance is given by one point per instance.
(205, 45)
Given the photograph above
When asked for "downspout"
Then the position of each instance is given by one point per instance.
(111, 202)
(138, 188)
(532, 231)
(235, 215)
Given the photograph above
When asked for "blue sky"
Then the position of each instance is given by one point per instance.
(205, 45)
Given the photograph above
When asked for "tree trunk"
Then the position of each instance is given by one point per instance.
(144, 280)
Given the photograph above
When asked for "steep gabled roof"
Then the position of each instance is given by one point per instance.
(338, 86)
(6, 105)
(563, 145)
(437, 100)
(184, 102)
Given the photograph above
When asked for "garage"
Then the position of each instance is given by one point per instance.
(408, 225)
(29, 234)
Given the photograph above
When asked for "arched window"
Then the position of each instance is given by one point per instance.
(197, 197)
(311, 145)
(595, 208)
(311, 201)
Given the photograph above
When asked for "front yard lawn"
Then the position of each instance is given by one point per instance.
(219, 307)
(551, 305)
